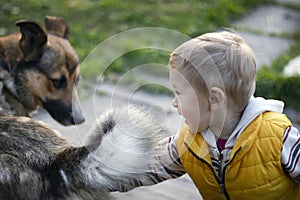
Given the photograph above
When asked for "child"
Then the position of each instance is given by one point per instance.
(233, 145)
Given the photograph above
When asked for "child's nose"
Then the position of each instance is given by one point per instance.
(175, 103)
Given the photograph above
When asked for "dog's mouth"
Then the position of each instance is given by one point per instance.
(65, 115)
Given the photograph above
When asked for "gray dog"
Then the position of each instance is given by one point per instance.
(36, 163)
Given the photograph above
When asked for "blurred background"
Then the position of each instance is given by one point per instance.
(93, 21)
(139, 74)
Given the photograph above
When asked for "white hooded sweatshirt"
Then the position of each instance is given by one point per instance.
(290, 153)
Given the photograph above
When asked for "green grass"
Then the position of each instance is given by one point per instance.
(92, 21)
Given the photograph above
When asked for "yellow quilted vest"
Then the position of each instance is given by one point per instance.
(254, 170)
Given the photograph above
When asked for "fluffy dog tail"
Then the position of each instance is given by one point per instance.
(124, 145)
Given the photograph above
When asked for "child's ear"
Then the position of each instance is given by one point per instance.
(216, 98)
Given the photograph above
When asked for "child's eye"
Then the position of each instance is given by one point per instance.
(177, 92)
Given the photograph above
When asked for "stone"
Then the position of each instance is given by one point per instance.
(293, 67)
(271, 19)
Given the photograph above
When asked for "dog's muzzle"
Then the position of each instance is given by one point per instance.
(66, 115)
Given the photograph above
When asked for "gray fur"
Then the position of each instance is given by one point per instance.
(36, 163)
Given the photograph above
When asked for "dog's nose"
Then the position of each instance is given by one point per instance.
(71, 119)
(77, 114)
(78, 119)
(66, 115)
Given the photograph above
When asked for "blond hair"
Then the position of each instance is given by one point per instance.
(218, 59)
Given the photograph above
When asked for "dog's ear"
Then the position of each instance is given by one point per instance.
(57, 26)
(33, 39)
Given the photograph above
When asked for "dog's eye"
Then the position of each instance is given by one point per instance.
(59, 83)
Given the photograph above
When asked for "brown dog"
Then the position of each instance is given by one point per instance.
(39, 69)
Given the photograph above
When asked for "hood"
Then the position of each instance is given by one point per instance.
(255, 107)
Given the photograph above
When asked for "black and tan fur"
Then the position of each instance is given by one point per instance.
(40, 69)
(36, 163)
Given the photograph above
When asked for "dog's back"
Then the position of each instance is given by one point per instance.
(26, 150)
(36, 163)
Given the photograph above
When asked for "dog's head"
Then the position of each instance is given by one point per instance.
(48, 70)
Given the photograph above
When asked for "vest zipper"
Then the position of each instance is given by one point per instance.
(222, 173)
(222, 168)
(220, 182)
